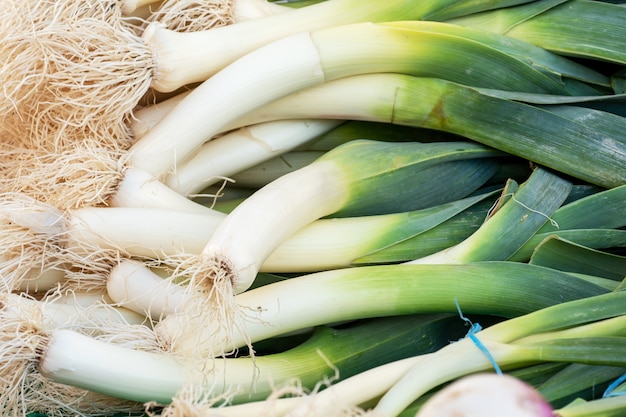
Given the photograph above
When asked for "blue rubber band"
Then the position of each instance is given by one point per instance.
(471, 334)
(609, 390)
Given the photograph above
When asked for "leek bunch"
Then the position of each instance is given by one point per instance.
(316, 208)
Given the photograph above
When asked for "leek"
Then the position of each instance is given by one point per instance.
(349, 180)
(553, 136)
(358, 237)
(25, 320)
(484, 287)
(189, 66)
(71, 358)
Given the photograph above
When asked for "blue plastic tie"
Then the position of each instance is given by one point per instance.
(471, 334)
(609, 390)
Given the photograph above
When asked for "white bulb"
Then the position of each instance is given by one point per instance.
(487, 395)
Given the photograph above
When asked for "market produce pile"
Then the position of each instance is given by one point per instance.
(313, 208)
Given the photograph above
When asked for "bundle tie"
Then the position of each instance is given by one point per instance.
(471, 334)
(609, 390)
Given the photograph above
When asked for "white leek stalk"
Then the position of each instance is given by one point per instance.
(41, 241)
(138, 188)
(241, 149)
(141, 232)
(74, 310)
(40, 281)
(139, 289)
(146, 117)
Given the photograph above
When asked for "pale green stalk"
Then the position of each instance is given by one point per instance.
(446, 234)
